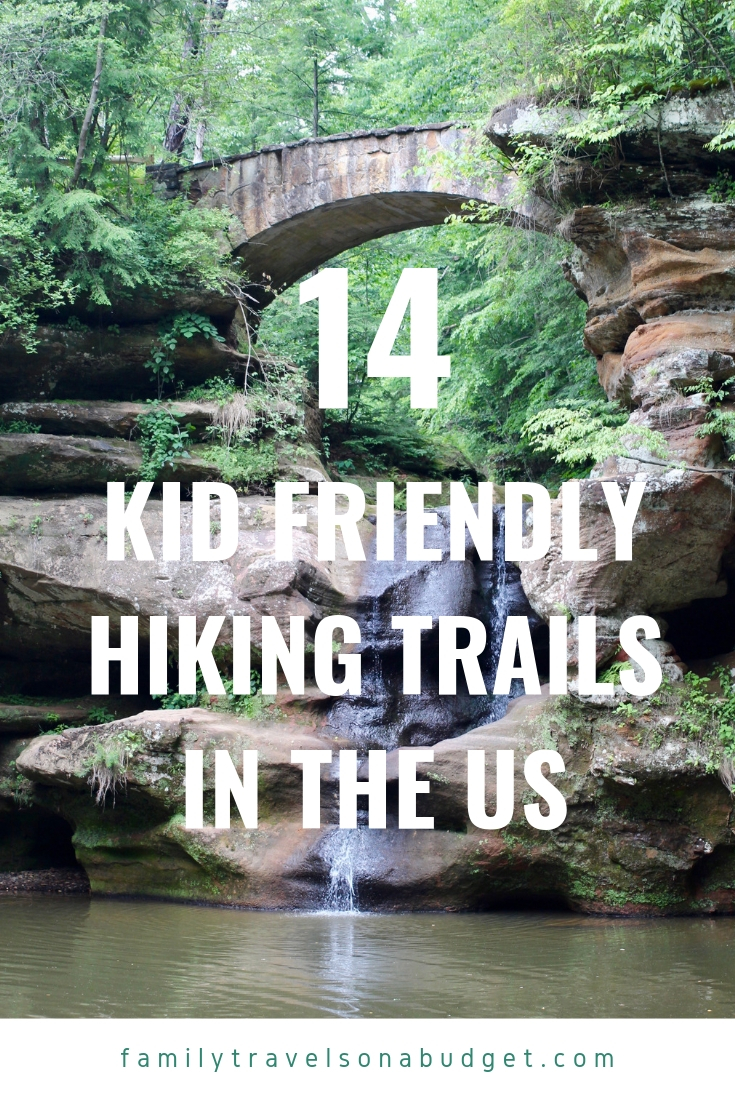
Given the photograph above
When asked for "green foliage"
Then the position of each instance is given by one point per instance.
(92, 247)
(18, 427)
(278, 60)
(580, 433)
(99, 233)
(720, 419)
(218, 389)
(722, 422)
(512, 326)
(96, 250)
(99, 715)
(15, 786)
(272, 405)
(175, 701)
(706, 712)
(611, 675)
(248, 427)
(722, 188)
(252, 706)
(514, 329)
(182, 326)
(162, 441)
(109, 762)
(253, 467)
(28, 280)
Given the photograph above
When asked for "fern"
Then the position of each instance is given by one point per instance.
(576, 435)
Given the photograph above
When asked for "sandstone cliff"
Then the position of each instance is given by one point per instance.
(650, 824)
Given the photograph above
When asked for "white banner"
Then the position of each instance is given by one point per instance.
(366, 1060)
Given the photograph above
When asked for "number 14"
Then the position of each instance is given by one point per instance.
(417, 288)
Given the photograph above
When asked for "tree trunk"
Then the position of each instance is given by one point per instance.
(315, 118)
(179, 117)
(93, 93)
(178, 124)
(199, 142)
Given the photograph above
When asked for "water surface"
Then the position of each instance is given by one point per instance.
(72, 957)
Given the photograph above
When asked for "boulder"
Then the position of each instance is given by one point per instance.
(56, 575)
(683, 526)
(130, 835)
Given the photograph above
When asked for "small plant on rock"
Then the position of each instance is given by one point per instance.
(162, 441)
(20, 428)
(109, 763)
(99, 715)
(183, 326)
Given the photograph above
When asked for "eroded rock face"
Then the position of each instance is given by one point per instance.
(55, 576)
(647, 830)
(661, 321)
(655, 282)
(41, 463)
(106, 363)
(684, 524)
(116, 419)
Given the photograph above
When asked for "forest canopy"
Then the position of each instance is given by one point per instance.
(92, 91)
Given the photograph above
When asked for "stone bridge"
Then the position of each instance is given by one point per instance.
(301, 204)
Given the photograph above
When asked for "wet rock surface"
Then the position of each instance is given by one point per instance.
(45, 882)
(487, 591)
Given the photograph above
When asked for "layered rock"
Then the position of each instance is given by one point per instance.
(56, 575)
(657, 275)
(40, 463)
(77, 417)
(648, 825)
(662, 149)
(107, 363)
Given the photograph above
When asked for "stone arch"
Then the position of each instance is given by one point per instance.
(302, 204)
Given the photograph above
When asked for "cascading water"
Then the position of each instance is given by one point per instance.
(346, 853)
(382, 717)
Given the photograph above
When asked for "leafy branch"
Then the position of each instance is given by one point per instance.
(186, 326)
(162, 441)
(576, 436)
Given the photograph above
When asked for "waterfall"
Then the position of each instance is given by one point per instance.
(343, 851)
(382, 717)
